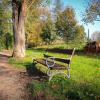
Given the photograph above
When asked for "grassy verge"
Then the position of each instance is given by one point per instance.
(84, 83)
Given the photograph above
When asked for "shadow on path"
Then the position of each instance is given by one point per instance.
(12, 83)
(32, 71)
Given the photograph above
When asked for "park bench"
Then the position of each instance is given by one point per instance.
(51, 62)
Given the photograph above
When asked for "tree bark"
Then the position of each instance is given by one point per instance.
(18, 18)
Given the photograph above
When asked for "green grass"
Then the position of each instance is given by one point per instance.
(64, 45)
(84, 83)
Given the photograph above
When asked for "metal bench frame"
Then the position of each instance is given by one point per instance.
(50, 67)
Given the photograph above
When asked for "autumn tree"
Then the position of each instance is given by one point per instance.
(65, 23)
(34, 25)
(92, 12)
(67, 26)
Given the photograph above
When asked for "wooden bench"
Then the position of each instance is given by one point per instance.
(52, 62)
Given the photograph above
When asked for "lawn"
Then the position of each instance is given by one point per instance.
(84, 83)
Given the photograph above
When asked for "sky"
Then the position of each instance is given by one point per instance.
(79, 6)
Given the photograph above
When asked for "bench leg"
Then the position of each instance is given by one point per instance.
(68, 71)
(68, 66)
(67, 74)
(49, 72)
(53, 74)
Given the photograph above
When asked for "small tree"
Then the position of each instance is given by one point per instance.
(68, 28)
(48, 35)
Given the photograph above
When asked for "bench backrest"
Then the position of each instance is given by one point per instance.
(72, 53)
(65, 51)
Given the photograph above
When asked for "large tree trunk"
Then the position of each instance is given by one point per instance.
(18, 9)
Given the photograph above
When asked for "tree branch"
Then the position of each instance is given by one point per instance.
(30, 5)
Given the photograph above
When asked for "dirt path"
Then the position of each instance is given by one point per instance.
(12, 81)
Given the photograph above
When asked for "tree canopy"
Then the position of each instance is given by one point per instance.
(92, 12)
(35, 24)
(67, 26)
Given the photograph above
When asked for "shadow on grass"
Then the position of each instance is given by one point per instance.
(79, 52)
(63, 89)
(38, 49)
(32, 71)
(88, 55)
(59, 87)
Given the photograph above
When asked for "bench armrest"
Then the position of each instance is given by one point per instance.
(50, 63)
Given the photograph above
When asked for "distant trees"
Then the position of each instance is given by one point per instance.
(5, 25)
(21, 20)
(80, 35)
(33, 27)
(67, 26)
(35, 24)
(92, 12)
(43, 28)
(96, 36)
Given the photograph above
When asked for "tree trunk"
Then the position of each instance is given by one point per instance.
(18, 9)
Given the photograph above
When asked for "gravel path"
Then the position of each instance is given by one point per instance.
(12, 81)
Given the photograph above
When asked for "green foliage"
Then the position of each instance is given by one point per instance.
(5, 25)
(48, 35)
(92, 12)
(65, 20)
(33, 23)
(62, 89)
(6, 41)
(33, 33)
(79, 35)
(39, 31)
(67, 27)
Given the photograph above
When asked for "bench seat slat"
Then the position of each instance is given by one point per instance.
(64, 60)
(55, 67)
